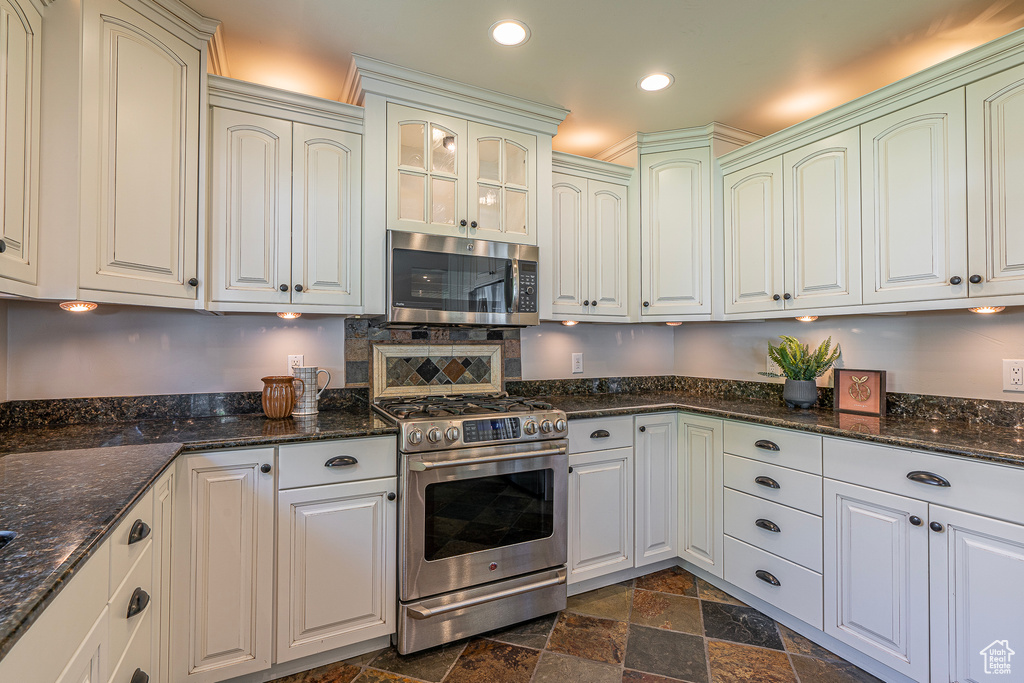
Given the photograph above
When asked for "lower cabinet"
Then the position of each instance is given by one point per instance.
(89, 663)
(655, 488)
(600, 512)
(700, 477)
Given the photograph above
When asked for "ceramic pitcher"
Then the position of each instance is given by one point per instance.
(280, 393)
(308, 403)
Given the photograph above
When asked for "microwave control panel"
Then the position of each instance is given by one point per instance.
(527, 287)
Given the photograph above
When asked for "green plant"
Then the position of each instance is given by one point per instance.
(797, 362)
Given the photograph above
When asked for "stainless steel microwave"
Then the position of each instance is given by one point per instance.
(435, 280)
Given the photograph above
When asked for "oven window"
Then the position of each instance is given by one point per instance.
(470, 515)
(451, 282)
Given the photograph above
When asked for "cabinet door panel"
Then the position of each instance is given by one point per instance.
(876, 575)
(656, 487)
(140, 155)
(21, 28)
(977, 597)
(502, 184)
(607, 248)
(753, 238)
(675, 232)
(569, 244)
(700, 492)
(822, 222)
(600, 513)
(915, 215)
(336, 566)
(251, 215)
(91, 662)
(995, 158)
(327, 218)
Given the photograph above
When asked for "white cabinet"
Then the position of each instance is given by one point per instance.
(286, 217)
(914, 169)
(143, 70)
(656, 488)
(337, 547)
(600, 513)
(995, 174)
(876, 575)
(675, 232)
(450, 176)
(224, 564)
(90, 663)
(589, 264)
(793, 229)
(700, 483)
(20, 65)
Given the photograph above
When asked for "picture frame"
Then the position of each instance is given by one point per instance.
(861, 392)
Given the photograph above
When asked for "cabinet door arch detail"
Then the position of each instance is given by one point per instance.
(753, 229)
(569, 243)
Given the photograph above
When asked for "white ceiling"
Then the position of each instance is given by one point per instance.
(759, 65)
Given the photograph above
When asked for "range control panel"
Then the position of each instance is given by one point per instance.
(527, 286)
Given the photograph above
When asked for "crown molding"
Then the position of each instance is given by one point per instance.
(352, 89)
(234, 94)
(202, 28)
(397, 82)
(217, 56)
(679, 138)
(992, 57)
(625, 146)
(572, 164)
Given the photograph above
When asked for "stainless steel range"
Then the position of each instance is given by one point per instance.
(482, 514)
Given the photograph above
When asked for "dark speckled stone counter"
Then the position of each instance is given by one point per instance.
(1003, 445)
(63, 489)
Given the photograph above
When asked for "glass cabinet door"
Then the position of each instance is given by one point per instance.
(502, 192)
(426, 171)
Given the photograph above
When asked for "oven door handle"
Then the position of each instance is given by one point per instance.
(427, 612)
(427, 465)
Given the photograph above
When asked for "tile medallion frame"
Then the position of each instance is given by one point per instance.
(381, 386)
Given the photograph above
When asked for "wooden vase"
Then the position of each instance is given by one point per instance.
(280, 392)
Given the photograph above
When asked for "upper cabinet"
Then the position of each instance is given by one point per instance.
(588, 261)
(915, 207)
(143, 74)
(754, 267)
(285, 198)
(20, 63)
(449, 176)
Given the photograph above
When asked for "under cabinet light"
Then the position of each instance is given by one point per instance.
(570, 323)
(674, 324)
(807, 318)
(78, 306)
(289, 316)
(509, 32)
(987, 309)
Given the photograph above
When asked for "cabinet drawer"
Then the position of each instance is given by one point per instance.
(305, 464)
(795, 489)
(797, 450)
(124, 554)
(974, 486)
(600, 433)
(800, 589)
(138, 655)
(799, 536)
(121, 626)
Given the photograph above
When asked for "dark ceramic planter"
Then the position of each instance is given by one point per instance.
(800, 393)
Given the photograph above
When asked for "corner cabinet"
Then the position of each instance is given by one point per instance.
(450, 176)
(286, 216)
(588, 258)
(143, 74)
(700, 486)
(656, 494)
(20, 64)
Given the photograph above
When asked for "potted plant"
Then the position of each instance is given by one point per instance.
(801, 367)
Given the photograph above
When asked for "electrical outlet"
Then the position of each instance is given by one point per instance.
(772, 366)
(1013, 375)
(577, 363)
(294, 361)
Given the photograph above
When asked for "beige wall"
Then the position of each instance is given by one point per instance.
(128, 351)
(942, 353)
(608, 350)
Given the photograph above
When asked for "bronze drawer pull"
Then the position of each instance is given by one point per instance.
(928, 478)
(138, 602)
(341, 461)
(766, 577)
(600, 434)
(140, 530)
(767, 482)
(766, 445)
(768, 525)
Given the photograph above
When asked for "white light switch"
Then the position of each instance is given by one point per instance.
(577, 363)
(1013, 375)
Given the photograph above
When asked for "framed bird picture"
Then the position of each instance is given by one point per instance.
(859, 391)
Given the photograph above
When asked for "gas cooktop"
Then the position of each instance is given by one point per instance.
(446, 406)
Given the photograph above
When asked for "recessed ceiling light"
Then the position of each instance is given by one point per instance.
(654, 82)
(509, 32)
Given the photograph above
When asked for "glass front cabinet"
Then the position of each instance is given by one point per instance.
(449, 176)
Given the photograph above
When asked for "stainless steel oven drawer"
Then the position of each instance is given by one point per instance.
(449, 617)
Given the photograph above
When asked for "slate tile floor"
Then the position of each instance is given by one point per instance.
(665, 627)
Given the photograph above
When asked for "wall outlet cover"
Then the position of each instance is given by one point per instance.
(295, 361)
(577, 363)
(1013, 375)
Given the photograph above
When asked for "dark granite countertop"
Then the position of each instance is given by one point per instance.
(63, 489)
(1002, 445)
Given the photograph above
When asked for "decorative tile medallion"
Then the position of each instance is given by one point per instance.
(435, 369)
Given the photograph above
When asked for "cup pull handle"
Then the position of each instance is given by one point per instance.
(767, 577)
(138, 602)
(140, 530)
(928, 478)
(767, 482)
(140, 676)
(600, 434)
(768, 525)
(341, 461)
(766, 445)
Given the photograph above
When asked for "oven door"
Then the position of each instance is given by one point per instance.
(477, 515)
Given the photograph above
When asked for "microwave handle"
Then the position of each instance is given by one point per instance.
(514, 308)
